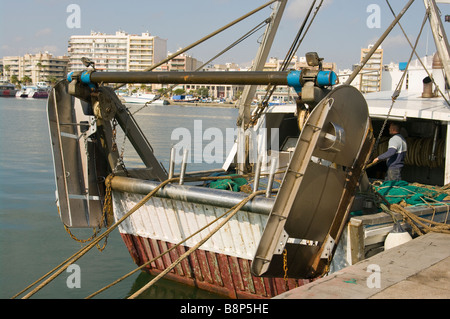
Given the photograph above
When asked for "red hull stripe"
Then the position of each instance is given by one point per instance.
(214, 272)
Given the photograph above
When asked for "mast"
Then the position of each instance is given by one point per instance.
(250, 90)
(440, 38)
(260, 60)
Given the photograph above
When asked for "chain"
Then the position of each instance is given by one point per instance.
(327, 266)
(107, 208)
(285, 268)
(114, 134)
(107, 212)
(114, 147)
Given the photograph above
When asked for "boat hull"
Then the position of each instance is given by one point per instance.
(214, 272)
(222, 265)
(8, 93)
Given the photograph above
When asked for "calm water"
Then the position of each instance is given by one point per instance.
(32, 237)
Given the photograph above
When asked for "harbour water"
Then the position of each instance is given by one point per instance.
(32, 237)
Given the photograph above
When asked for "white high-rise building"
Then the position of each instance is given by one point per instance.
(119, 52)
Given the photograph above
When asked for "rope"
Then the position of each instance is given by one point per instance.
(398, 89)
(286, 62)
(412, 219)
(106, 210)
(84, 250)
(65, 264)
(161, 255)
(418, 57)
(419, 225)
(192, 45)
(194, 248)
(420, 151)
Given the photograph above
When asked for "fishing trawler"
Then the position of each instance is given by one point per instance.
(221, 230)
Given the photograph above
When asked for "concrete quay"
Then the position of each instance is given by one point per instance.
(418, 269)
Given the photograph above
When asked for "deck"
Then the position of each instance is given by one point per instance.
(417, 269)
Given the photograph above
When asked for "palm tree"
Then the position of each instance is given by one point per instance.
(26, 80)
(7, 68)
(39, 65)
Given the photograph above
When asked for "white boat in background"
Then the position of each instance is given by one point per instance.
(143, 98)
(27, 91)
(40, 90)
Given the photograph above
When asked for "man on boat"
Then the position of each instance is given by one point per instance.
(395, 155)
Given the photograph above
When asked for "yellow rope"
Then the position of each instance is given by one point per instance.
(414, 220)
(161, 255)
(427, 225)
(65, 264)
(84, 250)
(194, 248)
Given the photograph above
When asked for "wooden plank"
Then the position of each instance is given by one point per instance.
(236, 273)
(139, 249)
(394, 272)
(214, 268)
(203, 262)
(225, 272)
(173, 257)
(269, 284)
(145, 257)
(356, 236)
(147, 248)
(131, 248)
(156, 252)
(166, 258)
(246, 275)
(260, 289)
(193, 260)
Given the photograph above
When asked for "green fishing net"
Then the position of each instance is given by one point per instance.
(396, 191)
(230, 184)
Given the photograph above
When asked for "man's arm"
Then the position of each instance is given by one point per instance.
(391, 151)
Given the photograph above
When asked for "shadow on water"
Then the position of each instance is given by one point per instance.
(168, 289)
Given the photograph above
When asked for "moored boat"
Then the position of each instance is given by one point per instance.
(142, 98)
(272, 239)
(7, 89)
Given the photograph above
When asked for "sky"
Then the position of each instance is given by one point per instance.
(340, 30)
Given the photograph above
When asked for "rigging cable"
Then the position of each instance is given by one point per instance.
(287, 61)
(418, 58)
(204, 39)
(398, 89)
(231, 46)
(228, 48)
(65, 264)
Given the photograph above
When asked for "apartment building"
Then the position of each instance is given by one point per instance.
(182, 63)
(40, 67)
(370, 75)
(118, 52)
(297, 63)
